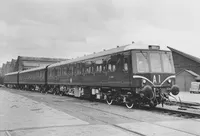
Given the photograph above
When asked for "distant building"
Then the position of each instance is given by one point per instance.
(23, 62)
(187, 68)
(1, 71)
(12, 65)
(184, 79)
(1, 76)
(6, 68)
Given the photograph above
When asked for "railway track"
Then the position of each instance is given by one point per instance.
(121, 116)
(177, 113)
(178, 110)
(182, 110)
(134, 119)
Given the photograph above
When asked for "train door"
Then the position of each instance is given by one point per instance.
(119, 67)
(127, 69)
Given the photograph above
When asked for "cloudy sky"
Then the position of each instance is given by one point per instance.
(70, 28)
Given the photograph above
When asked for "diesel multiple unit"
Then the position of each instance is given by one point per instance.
(131, 74)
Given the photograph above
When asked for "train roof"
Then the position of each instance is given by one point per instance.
(33, 69)
(134, 46)
(12, 73)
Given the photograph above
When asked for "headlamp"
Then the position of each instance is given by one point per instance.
(169, 81)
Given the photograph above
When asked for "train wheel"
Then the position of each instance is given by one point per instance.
(152, 104)
(61, 93)
(129, 105)
(109, 100)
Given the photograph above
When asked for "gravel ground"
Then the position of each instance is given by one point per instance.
(87, 118)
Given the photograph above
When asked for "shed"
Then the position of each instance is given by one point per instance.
(184, 79)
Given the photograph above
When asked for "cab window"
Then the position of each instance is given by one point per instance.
(155, 62)
(142, 62)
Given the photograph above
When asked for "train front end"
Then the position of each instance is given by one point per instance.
(153, 75)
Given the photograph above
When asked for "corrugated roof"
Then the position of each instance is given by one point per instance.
(185, 54)
(192, 73)
(107, 52)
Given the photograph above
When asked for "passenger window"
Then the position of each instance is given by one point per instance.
(61, 71)
(51, 74)
(100, 68)
(104, 68)
(113, 68)
(83, 70)
(125, 67)
(125, 64)
(97, 70)
(89, 71)
(65, 71)
(109, 67)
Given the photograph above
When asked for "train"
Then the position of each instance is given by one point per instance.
(133, 74)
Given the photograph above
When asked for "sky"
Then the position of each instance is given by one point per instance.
(73, 28)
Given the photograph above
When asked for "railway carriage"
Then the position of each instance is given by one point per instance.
(11, 79)
(33, 79)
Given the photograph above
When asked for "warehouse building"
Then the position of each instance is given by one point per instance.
(24, 62)
(187, 68)
(185, 61)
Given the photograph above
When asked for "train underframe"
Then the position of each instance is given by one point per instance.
(131, 97)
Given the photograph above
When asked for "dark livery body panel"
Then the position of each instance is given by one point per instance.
(11, 78)
(33, 76)
(101, 69)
